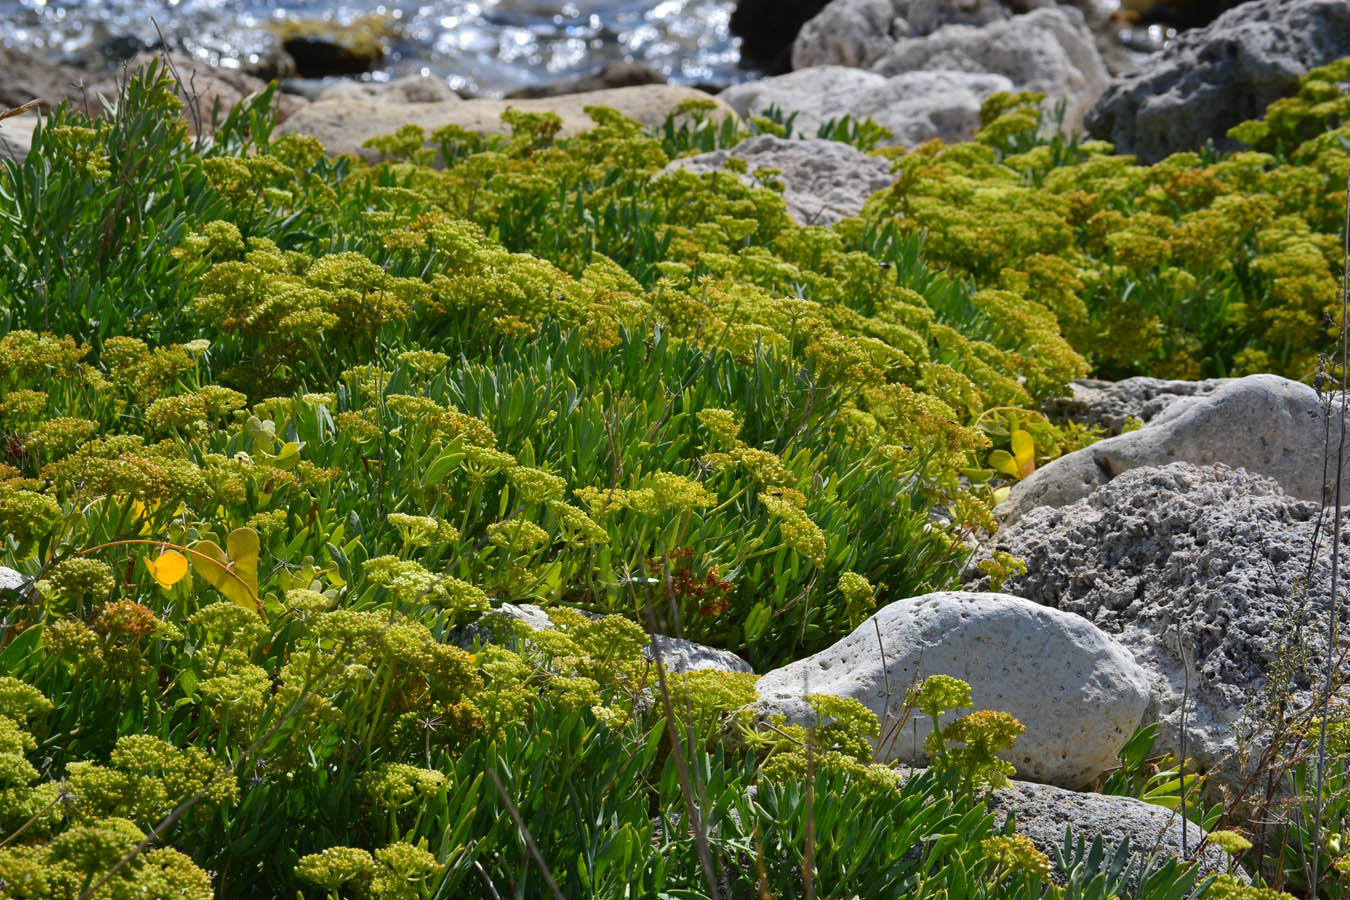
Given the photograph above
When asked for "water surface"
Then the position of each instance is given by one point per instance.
(483, 47)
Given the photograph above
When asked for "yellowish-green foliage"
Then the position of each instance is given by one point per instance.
(265, 457)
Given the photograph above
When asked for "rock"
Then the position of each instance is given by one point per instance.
(613, 75)
(25, 77)
(859, 32)
(1216, 553)
(1078, 692)
(1049, 50)
(343, 125)
(1210, 79)
(16, 139)
(677, 654)
(680, 655)
(1042, 812)
(914, 106)
(824, 181)
(322, 47)
(11, 581)
(409, 89)
(1264, 423)
(1110, 405)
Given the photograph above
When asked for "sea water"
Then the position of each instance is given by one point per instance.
(481, 47)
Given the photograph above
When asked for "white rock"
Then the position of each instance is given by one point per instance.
(11, 580)
(914, 106)
(1263, 423)
(344, 124)
(1042, 812)
(680, 655)
(824, 181)
(1049, 50)
(1079, 692)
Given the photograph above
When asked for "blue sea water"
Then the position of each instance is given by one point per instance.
(485, 47)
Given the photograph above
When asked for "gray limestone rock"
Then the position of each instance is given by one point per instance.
(858, 32)
(825, 181)
(1111, 404)
(1042, 812)
(1079, 692)
(1050, 50)
(1210, 79)
(914, 106)
(1209, 559)
(1263, 423)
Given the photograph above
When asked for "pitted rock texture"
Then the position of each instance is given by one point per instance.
(1078, 691)
(1111, 404)
(1210, 79)
(1049, 50)
(824, 181)
(11, 581)
(858, 32)
(1216, 554)
(1263, 423)
(1042, 812)
(914, 106)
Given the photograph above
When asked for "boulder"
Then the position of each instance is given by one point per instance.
(1210, 79)
(1078, 692)
(824, 181)
(16, 139)
(1049, 50)
(858, 32)
(408, 89)
(25, 77)
(1042, 812)
(11, 582)
(343, 125)
(1112, 404)
(321, 47)
(914, 106)
(677, 654)
(1210, 561)
(613, 75)
(1264, 423)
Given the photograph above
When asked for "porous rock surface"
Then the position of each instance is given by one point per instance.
(1112, 404)
(824, 181)
(914, 106)
(343, 125)
(1078, 691)
(858, 32)
(677, 654)
(1050, 50)
(1212, 554)
(1210, 79)
(1263, 423)
(1042, 812)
